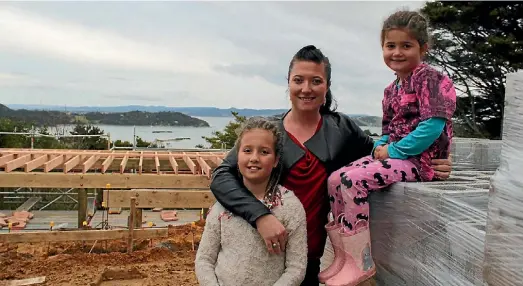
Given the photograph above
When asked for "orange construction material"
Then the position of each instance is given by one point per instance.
(169, 215)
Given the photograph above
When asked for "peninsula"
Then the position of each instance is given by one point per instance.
(139, 118)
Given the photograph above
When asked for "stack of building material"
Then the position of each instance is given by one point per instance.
(504, 241)
(476, 154)
(18, 219)
(429, 233)
(3, 223)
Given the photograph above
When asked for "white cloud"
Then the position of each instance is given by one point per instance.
(31, 33)
(188, 53)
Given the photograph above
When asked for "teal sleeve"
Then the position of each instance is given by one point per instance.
(383, 140)
(418, 140)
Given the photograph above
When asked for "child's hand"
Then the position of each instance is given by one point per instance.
(377, 151)
(382, 153)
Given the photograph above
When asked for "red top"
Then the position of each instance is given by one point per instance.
(308, 179)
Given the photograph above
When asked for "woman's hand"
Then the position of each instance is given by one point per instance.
(442, 168)
(273, 233)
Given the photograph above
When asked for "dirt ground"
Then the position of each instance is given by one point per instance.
(169, 261)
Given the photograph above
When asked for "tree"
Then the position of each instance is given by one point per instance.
(477, 44)
(45, 142)
(139, 143)
(88, 143)
(227, 137)
(13, 141)
(24, 141)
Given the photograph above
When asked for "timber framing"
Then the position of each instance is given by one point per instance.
(57, 168)
(81, 235)
(165, 198)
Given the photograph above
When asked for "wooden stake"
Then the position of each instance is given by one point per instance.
(131, 225)
(193, 225)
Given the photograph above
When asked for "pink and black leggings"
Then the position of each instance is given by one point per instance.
(349, 186)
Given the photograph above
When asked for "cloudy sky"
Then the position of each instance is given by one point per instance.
(222, 54)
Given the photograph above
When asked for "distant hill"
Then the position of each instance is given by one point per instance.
(361, 119)
(49, 117)
(367, 120)
(191, 111)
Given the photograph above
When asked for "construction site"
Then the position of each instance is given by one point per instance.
(167, 194)
(140, 215)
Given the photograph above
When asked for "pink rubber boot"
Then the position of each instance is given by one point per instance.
(333, 231)
(358, 265)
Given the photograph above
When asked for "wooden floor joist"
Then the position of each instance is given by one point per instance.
(80, 235)
(56, 168)
(108, 161)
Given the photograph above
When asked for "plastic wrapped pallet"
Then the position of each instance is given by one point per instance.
(476, 154)
(504, 240)
(429, 233)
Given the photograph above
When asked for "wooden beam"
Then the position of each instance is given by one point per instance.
(82, 207)
(107, 163)
(106, 153)
(6, 158)
(124, 163)
(29, 166)
(80, 235)
(174, 164)
(97, 180)
(189, 163)
(146, 198)
(29, 204)
(89, 163)
(140, 164)
(130, 236)
(72, 163)
(206, 169)
(53, 163)
(26, 281)
(17, 163)
(156, 163)
(217, 160)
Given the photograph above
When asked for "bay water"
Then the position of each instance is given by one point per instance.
(177, 137)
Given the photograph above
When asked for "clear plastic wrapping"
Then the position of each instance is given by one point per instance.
(436, 233)
(504, 241)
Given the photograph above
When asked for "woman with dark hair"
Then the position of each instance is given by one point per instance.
(317, 141)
